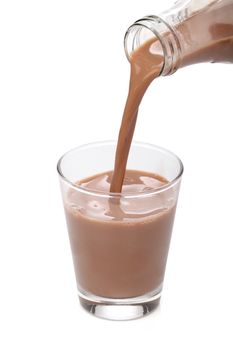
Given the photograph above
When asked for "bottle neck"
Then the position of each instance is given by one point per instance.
(192, 31)
(155, 27)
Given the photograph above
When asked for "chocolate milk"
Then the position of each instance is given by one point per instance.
(120, 253)
(145, 67)
(117, 252)
(208, 36)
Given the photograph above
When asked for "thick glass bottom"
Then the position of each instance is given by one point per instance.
(119, 309)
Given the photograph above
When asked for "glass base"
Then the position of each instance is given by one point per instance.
(119, 309)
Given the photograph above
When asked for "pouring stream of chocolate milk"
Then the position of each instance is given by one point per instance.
(145, 67)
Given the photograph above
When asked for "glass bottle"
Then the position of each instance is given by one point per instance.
(190, 32)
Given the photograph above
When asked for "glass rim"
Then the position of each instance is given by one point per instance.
(104, 194)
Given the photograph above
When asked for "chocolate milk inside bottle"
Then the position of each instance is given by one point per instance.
(116, 256)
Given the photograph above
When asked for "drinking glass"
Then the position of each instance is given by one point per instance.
(119, 242)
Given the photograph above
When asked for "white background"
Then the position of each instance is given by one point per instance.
(63, 80)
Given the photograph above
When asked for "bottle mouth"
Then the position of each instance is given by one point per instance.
(167, 44)
(136, 36)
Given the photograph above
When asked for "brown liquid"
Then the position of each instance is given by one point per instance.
(208, 36)
(205, 37)
(120, 253)
(120, 247)
(145, 67)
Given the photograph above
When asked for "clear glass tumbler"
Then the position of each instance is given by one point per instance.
(119, 259)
